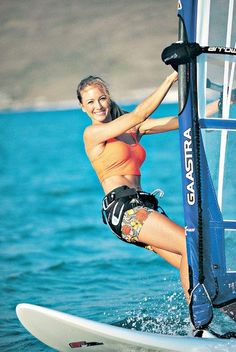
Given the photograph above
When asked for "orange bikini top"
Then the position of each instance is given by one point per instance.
(119, 158)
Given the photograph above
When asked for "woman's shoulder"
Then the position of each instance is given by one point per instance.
(89, 133)
(92, 148)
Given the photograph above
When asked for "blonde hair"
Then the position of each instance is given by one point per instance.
(89, 81)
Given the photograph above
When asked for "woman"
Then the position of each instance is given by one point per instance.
(112, 145)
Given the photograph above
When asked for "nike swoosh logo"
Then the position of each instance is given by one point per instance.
(114, 219)
(106, 207)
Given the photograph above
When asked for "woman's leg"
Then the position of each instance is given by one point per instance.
(171, 258)
(160, 232)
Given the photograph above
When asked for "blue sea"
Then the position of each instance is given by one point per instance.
(55, 250)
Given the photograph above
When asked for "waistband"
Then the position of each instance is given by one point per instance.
(119, 192)
(126, 193)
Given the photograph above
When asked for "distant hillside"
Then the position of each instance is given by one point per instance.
(47, 46)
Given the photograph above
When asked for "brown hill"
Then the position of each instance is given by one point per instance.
(47, 46)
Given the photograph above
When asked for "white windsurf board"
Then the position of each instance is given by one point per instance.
(67, 333)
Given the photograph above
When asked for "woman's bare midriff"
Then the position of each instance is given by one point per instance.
(113, 182)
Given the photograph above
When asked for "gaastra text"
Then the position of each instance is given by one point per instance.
(188, 162)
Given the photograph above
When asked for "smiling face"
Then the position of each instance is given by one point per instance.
(96, 103)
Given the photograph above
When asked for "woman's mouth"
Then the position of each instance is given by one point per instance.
(100, 112)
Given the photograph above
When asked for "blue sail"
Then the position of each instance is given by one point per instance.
(208, 149)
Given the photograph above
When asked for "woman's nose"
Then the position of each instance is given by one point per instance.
(98, 105)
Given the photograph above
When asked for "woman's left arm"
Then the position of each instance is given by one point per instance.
(159, 125)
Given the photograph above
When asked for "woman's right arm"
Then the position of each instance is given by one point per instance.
(150, 104)
(102, 132)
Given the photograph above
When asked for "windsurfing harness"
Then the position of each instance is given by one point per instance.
(121, 199)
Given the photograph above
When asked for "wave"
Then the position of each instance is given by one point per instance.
(165, 323)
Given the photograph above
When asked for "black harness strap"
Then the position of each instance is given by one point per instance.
(121, 199)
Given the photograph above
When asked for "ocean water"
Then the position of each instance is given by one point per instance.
(55, 250)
